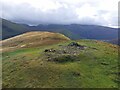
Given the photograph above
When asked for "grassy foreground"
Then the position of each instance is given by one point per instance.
(97, 67)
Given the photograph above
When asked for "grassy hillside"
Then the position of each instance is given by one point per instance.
(32, 39)
(95, 66)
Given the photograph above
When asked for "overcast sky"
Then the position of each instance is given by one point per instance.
(34, 12)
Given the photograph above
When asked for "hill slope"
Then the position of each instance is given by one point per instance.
(33, 39)
(88, 64)
(73, 31)
(10, 29)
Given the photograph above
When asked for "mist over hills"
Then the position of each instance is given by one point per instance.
(73, 31)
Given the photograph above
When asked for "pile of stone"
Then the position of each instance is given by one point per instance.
(71, 50)
(50, 50)
(75, 44)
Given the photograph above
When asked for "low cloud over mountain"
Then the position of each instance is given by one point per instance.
(33, 12)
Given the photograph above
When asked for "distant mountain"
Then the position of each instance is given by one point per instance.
(10, 29)
(83, 31)
(113, 41)
(73, 31)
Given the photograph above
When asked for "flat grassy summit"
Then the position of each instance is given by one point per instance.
(54, 61)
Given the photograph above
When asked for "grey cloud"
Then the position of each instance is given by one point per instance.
(66, 14)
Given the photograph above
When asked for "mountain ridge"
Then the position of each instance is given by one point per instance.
(73, 31)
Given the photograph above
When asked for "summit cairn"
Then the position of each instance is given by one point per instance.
(75, 44)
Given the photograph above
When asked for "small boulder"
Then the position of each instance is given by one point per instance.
(94, 48)
(104, 63)
(76, 74)
(50, 50)
(75, 44)
(46, 50)
(64, 51)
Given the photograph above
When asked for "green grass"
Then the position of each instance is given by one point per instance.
(28, 68)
